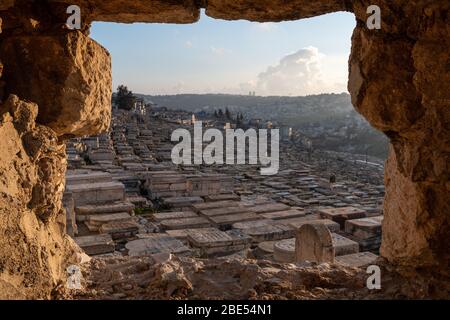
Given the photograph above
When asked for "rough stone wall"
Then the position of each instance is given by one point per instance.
(33, 246)
(399, 80)
(54, 84)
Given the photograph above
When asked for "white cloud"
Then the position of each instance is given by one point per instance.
(218, 51)
(188, 44)
(301, 73)
(266, 26)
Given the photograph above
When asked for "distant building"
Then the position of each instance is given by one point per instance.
(285, 133)
(139, 107)
(254, 123)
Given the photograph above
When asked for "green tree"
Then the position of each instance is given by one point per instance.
(124, 98)
(227, 114)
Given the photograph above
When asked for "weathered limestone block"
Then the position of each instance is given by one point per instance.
(34, 249)
(271, 10)
(1, 67)
(162, 11)
(6, 4)
(399, 78)
(68, 75)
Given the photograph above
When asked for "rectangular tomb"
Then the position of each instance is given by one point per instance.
(270, 207)
(357, 259)
(73, 178)
(364, 228)
(96, 244)
(215, 242)
(269, 232)
(182, 234)
(180, 202)
(222, 197)
(286, 214)
(215, 204)
(185, 223)
(340, 215)
(225, 222)
(223, 211)
(331, 225)
(343, 245)
(121, 206)
(120, 229)
(156, 243)
(160, 216)
(94, 222)
(97, 193)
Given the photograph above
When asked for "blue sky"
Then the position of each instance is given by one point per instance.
(211, 56)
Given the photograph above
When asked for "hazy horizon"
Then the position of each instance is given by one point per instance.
(236, 94)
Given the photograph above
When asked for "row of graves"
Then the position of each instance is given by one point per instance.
(125, 197)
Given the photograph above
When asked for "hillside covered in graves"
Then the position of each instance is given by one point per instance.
(148, 224)
(328, 120)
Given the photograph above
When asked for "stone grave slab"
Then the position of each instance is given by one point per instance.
(97, 193)
(185, 223)
(120, 229)
(182, 234)
(314, 243)
(357, 260)
(284, 250)
(157, 243)
(223, 211)
(340, 215)
(222, 197)
(369, 244)
(73, 178)
(252, 224)
(331, 225)
(173, 215)
(364, 228)
(343, 245)
(211, 237)
(94, 222)
(269, 232)
(180, 202)
(121, 206)
(228, 220)
(239, 237)
(138, 201)
(215, 204)
(270, 207)
(266, 247)
(96, 244)
(286, 214)
(216, 242)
